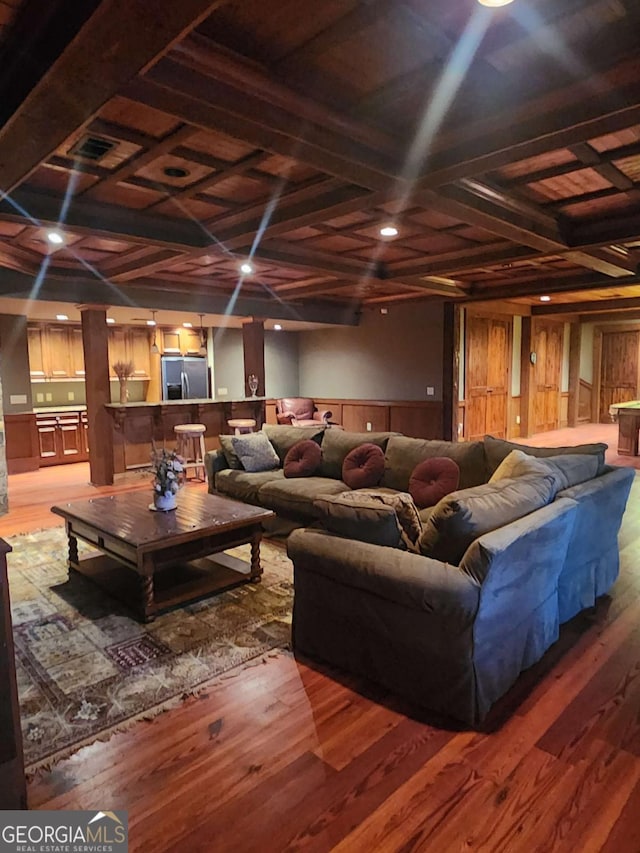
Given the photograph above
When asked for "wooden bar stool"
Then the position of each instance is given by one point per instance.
(241, 425)
(191, 447)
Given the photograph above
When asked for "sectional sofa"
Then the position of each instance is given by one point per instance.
(507, 562)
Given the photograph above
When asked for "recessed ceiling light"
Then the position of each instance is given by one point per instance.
(61, 317)
(493, 3)
(110, 320)
(176, 172)
(246, 268)
(55, 237)
(151, 322)
(277, 327)
(545, 299)
(389, 231)
(188, 325)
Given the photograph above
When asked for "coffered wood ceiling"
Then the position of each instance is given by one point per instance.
(504, 144)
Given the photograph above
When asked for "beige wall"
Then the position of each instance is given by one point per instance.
(392, 356)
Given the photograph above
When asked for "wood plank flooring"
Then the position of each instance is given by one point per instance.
(285, 756)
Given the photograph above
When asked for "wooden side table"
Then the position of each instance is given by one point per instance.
(13, 786)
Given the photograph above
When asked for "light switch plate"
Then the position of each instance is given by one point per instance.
(430, 390)
(18, 399)
(39, 398)
(49, 396)
(222, 392)
(368, 426)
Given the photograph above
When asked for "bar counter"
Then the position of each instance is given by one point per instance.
(136, 426)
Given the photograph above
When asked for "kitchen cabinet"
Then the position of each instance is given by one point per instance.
(180, 341)
(132, 345)
(62, 437)
(55, 352)
(37, 347)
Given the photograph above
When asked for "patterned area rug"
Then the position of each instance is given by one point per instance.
(87, 668)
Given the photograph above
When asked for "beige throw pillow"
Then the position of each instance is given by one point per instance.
(518, 464)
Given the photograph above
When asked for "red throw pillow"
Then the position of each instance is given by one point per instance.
(363, 467)
(433, 479)
(303, 459)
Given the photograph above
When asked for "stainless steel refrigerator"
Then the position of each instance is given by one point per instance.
(184, 378)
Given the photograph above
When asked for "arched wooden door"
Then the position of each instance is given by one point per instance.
(488, 361)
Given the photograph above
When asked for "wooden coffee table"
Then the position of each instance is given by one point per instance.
(156, 560)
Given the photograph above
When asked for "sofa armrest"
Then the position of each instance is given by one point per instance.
(286, 419)
(322, 415)
(410, 580)
(214, 461)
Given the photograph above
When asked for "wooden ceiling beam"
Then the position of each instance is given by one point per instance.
(143, 158)
(119, 40)
(211, 181)
(597, 306)
(626, 316)
(97, 219)
(546, 286)
(464, 259)
(205, 57)
(557, 121)
(251, 128)
(588, 156)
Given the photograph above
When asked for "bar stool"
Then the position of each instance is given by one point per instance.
(241, 425)
(191, 447)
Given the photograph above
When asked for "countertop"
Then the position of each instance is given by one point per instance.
(45, 410)
(198, 402)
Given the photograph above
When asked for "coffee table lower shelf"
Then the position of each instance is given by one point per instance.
(182, 582)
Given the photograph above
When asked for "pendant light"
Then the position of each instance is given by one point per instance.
(203, 343)
(154, 346)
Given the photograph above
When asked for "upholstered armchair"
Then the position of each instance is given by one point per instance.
(300, 411)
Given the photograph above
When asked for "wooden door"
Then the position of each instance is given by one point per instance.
(488, 359)
(547, 344)
(619, 370)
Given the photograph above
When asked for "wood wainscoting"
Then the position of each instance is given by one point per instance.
(585, 391)
(416, 418)
(21, 442)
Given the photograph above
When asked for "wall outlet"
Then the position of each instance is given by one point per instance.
(39, 398)
(222, 392)
(460, 428)
(71, 396)
(517, 419)
(368, 426)
(430, 390)
(48, 396)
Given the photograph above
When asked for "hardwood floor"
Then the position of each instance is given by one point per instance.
(283, 756)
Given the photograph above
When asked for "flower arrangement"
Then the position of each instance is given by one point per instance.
(123, 369)
(168, 471)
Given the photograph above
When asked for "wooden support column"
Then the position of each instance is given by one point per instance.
(574, 374)
(450, 370)
(253, 347)
(96, 359)
(597, 379)
(526, 378)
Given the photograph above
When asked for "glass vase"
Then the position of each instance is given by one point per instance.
(165, 502)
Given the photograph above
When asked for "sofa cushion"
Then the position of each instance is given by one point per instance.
(230, 454)
(497, 448)
(464, 515)
(337, 443)
(294, 498)
(432, 479)
(569, 469)
(255, 452)
(303, 459)
(284, 437)
(244, 486)
(403, 454)
(363, 466)
(381, 518)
